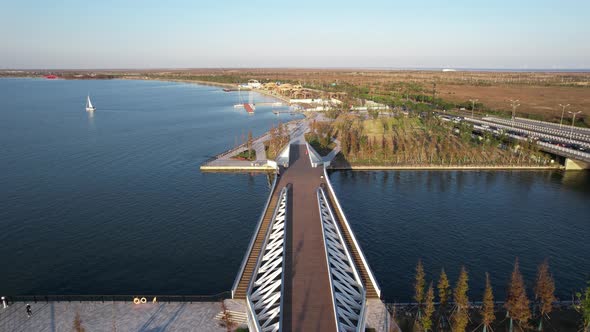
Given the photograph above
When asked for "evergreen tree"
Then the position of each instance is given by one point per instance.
(419, 284)
(426, 319)
(444, 288)
(461, 315)
(444, 295)
(487, 308)
(517, 304)
(544, 291)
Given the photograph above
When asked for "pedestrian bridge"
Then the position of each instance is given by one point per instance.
(304, 269)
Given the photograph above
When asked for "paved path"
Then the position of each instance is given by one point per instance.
(308, 296)
(98, 317)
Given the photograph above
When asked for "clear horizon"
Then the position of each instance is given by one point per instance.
(502, 35)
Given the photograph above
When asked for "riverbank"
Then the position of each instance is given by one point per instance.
(441, 168)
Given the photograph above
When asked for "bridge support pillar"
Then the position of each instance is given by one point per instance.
(575, 165)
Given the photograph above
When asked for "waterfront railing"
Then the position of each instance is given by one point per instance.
(118, 298)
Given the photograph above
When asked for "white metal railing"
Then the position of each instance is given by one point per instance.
(542, 129)
(560, 150)
(528, 132)
(348, 293)
(552, 124)
(253, 239)
(355, 243)
(264, 296)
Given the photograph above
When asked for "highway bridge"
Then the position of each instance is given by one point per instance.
(573, 145)
(304, 269)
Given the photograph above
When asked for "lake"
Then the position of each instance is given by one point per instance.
(115, 203)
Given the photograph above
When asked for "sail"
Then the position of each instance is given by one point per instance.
(88, 103)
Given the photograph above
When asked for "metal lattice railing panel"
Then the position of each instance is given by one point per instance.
(264, 295)
(347, 289)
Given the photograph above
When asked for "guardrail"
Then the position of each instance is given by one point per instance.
(580, 129)
(117, 298)
(253, 239)
(569, 152)
(352, 236)
(560, 150)
(528, 132)
(551, 131)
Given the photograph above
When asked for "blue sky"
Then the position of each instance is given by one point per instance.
(302, 33)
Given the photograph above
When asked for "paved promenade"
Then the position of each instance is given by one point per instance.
(112, 316)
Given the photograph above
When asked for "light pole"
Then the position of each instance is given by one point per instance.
(573, 119)
(514, 104)
(562, 112)
(473, 101)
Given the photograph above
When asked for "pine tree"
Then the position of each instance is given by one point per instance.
(426, 319)
(517, 304)
(487, 308)
(419, 284)
(461, 315)
(444, 295)
(444, 289)
(544, 291)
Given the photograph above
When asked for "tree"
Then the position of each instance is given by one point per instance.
(444, 288)
(461, 315)
(517, 304)
(249, 144)
(444, 295)
(419, 284)
(78, 323)
(487, 308)
(426, 319)
(582, 305)
(544, 291)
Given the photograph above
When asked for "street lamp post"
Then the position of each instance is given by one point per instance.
(562, 112)
(473, 101)
(573, 119)
(514, 104)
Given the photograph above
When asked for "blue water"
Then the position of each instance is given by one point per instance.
(116, 204)
(482, 220)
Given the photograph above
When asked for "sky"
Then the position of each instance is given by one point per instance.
(112, 34)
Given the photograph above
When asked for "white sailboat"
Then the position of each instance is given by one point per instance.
(89, 107)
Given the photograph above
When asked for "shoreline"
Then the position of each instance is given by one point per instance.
(442, 168)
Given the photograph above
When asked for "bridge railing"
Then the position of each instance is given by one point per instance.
(352, 236)
(253, 240)
(548, 131)
(527, 132)
(117, 298)
(579, 129)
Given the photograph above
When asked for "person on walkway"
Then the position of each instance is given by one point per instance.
(29, 311)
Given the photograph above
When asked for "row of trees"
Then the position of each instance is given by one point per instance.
(279, 137)
(454, 307)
